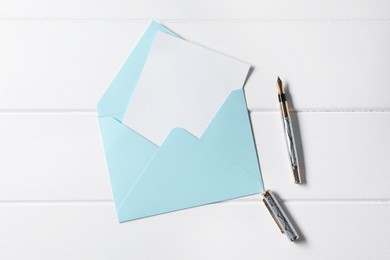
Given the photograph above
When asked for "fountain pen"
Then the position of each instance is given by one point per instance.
(288, 131)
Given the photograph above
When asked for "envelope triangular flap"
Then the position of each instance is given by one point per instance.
(202, 171)
(230, 133)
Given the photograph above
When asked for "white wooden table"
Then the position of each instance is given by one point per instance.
(57, 58)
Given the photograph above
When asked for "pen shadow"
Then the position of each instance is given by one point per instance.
(297, 134)
(302, 239)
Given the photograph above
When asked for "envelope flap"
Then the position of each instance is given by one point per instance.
(185, 173)
(230, 133)
(115, 100)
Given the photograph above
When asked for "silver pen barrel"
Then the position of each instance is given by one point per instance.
(291, 148)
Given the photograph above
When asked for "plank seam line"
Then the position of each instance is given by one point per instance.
(326, 110)
(48, 111)
(238, 201)
(94, 112)
(186, 20)
(329, 200)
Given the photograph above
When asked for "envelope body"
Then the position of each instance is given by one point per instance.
(185, 171)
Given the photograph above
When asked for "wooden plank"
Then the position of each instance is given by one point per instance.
(219, 231)
(61, 65)
(60, 157)
(327, 66)
(52, 157)
(199, 9)
(343, 155)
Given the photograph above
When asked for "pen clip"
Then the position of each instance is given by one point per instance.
(279, 215)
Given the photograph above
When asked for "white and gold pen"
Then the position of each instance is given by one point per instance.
(288, 131)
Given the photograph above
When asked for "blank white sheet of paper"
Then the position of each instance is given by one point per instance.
(182, 85)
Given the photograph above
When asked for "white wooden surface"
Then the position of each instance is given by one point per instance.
(56, 59)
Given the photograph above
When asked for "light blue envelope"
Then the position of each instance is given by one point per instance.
(184, 171)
